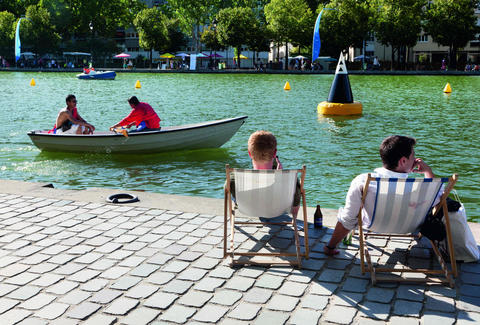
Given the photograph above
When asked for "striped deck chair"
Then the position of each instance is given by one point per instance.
(400, 208)
(267, 194)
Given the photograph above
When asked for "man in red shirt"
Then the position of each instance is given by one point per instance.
(142, 116)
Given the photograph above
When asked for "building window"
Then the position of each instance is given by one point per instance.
(423, 38)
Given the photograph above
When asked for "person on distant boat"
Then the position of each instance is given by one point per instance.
(142, 116)
(69, 121)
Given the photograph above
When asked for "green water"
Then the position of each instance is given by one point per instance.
(334, 149)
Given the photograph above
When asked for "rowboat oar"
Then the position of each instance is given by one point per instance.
(120, 130)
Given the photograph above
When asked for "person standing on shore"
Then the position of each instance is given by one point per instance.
(143, 116)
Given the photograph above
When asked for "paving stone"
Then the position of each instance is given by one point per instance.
(7, 304)
(440, 303)
(328, 275)
(269, 281)
(344, 298)
(14, 316)
(175, 266)
(293, 289)
(161, 277)
(251, 272)
(132, 261)
(302, 276)
(209, 284)
(24, 293)
(469, 303)
(141, 291)
(464, 318)
(470, 267)
(355, 285)
(222, 272)
(161, 300)
(94, 285)
(189, 256)
(245, 311)
(374, 310)
(177, 286)
(102, 265)
(83, 311)
(121, 306)
(407, 308)
(210, 313)
(38, 301)
(88, 258)
(7, 260)
(271, 317)
(141, 316)
(470, 278)
(35, 321)
(435, 317)
(340, 314)
(411, 292)
(470, 290)
(125, 283)
(206, 263)
(13, 270)
(177, 314)
(75, 297)
(282, 303)
(115, 272)
(83, 276)
(305, 316)
(69, 268)
(52, 311)
(108, 248)
(315, 302)
(144, 270)
(195, 299)
(226, 297)
(380, 295)
(22, 279)
(240, 283)
(105, 296)
(258, 295)
(35, 259)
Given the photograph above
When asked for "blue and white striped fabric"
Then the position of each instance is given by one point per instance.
(264, 193)
(401, 204)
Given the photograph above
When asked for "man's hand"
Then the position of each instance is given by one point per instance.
(419, 166)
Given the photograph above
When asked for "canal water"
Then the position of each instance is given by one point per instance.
(333, 149)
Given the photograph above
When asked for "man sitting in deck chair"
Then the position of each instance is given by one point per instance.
(264, 193)
(262, 149)
(399, 160)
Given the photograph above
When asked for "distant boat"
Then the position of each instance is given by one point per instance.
(93, 74)
(212, 134)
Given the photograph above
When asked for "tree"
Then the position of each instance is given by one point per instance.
(289, 21)
(7, 34)
(38, 32)
(347, 24)
(451, 23)
(398, 24)
(151, 25)
(260, 39)
(176, 37)
(234, 27)
(194, 13)
(16, 7)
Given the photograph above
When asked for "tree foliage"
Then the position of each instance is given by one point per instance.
(452, 23)
(289, 21)
(345, 23)
(38, 32)
(398, 24)
(176, 38)
(234, 27)
(151, 25)
(7, 34)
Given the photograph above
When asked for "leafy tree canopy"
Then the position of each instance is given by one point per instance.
(38, 32)
(7, 33)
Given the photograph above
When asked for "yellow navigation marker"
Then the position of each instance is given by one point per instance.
(447, 88)
(287, 86)
(32, 82)
(138, 85)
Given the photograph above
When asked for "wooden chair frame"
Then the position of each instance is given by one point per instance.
(366, 263)
(229, 215)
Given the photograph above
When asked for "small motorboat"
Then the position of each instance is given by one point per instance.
(212, 134)
(91, 73)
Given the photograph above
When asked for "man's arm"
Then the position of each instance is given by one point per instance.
(421, 167)
(87, 125)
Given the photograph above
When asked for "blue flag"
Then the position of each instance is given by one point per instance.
(316, 38)
(17, 41)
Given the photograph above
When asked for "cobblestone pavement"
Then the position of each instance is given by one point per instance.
(69, 262)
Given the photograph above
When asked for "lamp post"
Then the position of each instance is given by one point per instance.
(214, 23)
(91, 42)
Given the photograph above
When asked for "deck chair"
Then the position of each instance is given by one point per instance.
(400, 208)
(267, 194)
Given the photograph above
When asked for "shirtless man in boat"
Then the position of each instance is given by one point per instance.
(70, 122)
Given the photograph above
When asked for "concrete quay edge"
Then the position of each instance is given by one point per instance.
(194, 204)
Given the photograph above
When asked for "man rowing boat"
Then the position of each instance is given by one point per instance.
(143, 116)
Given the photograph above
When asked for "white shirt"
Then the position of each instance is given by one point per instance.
(348, 215)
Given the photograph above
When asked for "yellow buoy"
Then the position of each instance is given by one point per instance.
(32, 82)
(447, 88)
(287, 86)
(138, 84)
(327, 108)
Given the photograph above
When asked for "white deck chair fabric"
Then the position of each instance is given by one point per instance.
(264, 193)
(401, 204)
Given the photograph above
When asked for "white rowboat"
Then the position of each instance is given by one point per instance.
(212, 134)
